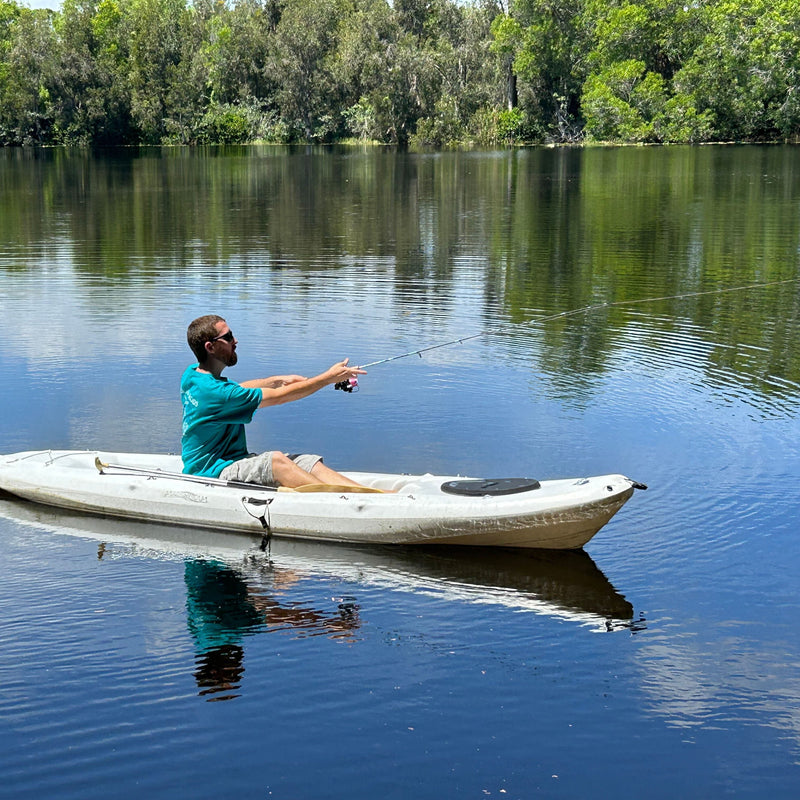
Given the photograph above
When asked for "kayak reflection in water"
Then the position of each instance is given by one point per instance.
(222, 609)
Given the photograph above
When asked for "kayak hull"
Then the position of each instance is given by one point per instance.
(560, 514)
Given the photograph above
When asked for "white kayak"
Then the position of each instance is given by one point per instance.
(559, 514)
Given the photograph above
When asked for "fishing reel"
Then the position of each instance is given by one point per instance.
(349, 385)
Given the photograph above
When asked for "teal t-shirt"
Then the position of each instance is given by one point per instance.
(215, 411)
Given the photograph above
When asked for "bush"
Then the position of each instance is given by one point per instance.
(682, 122)
(226, 125)
(622, 101)
(443, 129)
(491, 127)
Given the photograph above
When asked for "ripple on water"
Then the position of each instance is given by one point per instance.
(712, 432)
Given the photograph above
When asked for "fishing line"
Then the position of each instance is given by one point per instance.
(574, 312)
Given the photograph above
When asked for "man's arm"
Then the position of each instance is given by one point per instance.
(274, 382)
(281, 389)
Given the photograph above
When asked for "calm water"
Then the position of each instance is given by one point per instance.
(664, 661)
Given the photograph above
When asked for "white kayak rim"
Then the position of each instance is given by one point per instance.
(562, 514)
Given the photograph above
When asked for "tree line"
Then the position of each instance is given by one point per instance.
(422, 72)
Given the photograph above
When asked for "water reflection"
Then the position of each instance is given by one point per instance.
(234, 589)
(564, 584)
(525, 234)
(223, 606)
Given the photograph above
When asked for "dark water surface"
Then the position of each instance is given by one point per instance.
(662, 661)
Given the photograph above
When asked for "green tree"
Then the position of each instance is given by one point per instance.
(622, 102)
(28, 70)
(636, 49)
(550, 65)
(471, 74)
(507, 34)
(187, 89)
(155, 51)
(391, 73)
(234, 46)
(363, 61)
(111, 35)
(660, 33)
(300, 62)
(91, 95)
(746, 70)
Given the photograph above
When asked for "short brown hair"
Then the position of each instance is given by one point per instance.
(200, 331)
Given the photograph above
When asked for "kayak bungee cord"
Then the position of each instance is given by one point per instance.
(352, 383)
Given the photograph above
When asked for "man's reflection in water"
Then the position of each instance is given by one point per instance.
(222, 608)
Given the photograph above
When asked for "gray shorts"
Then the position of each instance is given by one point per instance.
(258, 468)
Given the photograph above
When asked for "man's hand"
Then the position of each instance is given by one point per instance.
(341, 372)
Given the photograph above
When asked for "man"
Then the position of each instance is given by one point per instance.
(215, 411)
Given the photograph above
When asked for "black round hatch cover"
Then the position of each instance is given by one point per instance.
(490, 486)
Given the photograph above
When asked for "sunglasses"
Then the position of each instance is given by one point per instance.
(228, 337)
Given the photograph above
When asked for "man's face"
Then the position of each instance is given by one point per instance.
(223, 346)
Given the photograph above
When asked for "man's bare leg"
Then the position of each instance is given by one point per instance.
(288, 474)
(327, 475)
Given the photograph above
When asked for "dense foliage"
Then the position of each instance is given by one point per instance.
(437, 72)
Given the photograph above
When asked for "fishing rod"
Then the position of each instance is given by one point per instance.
(352, 383)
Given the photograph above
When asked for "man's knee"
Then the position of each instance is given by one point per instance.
(283, 466)
(281, 463)
(279, 459)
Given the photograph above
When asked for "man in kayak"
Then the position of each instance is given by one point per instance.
(215, 411)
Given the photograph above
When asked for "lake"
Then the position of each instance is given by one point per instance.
(630, 310)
